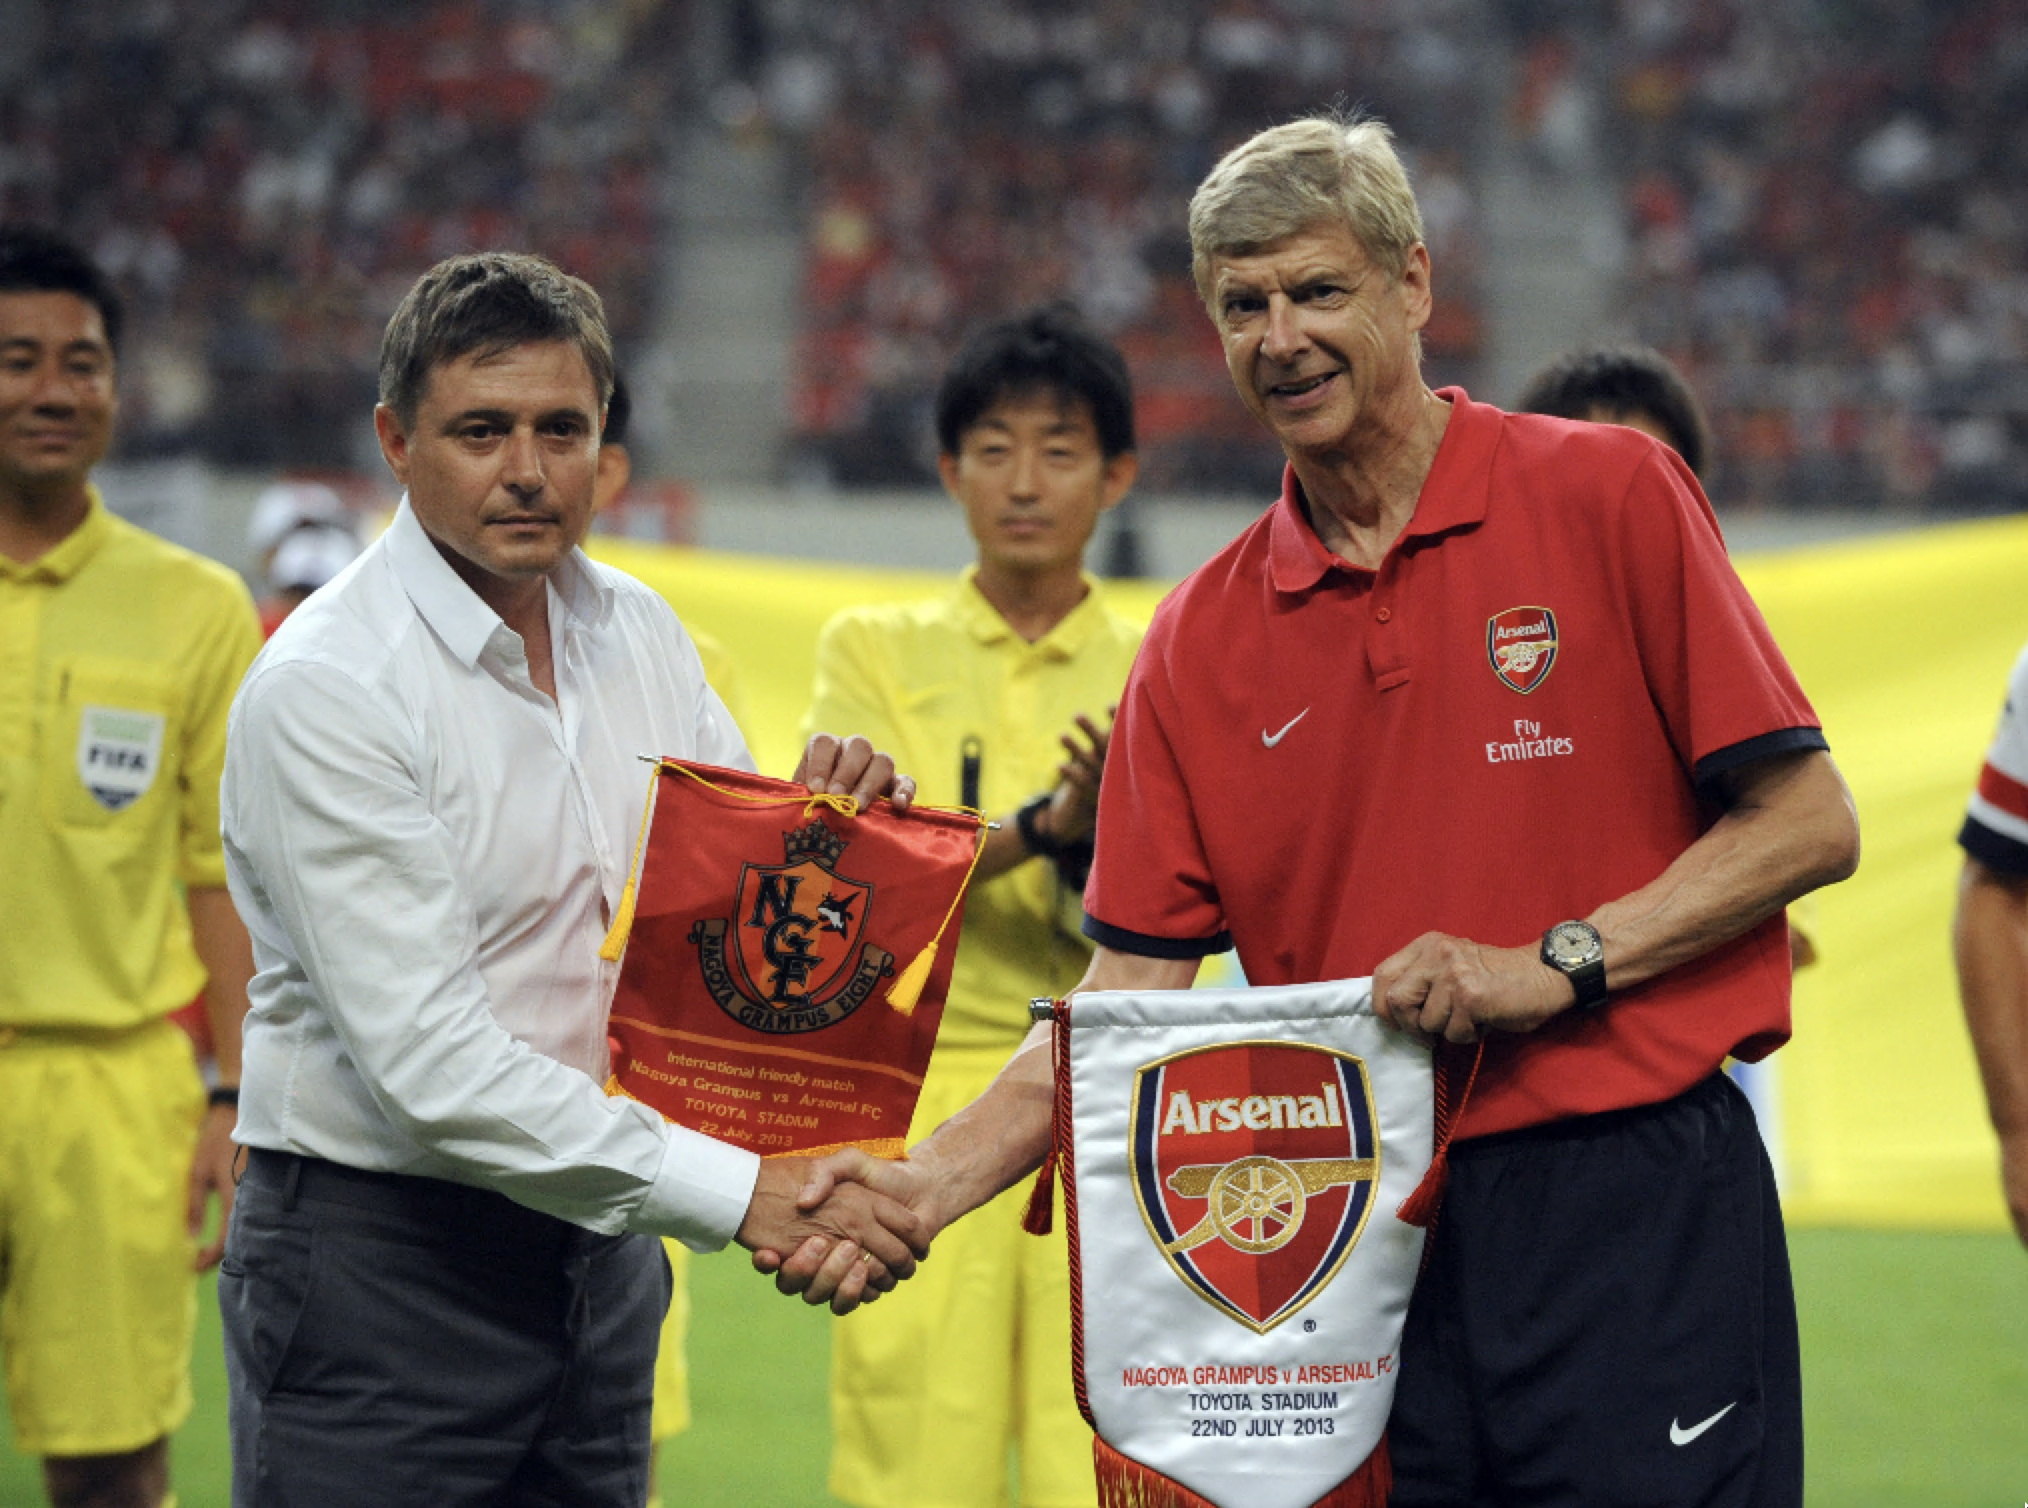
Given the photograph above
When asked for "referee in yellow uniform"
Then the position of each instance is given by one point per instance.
(119, 655)
(998, 696)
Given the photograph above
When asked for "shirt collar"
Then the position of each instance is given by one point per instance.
(1453, 496)
(456, 612)
(78, 547)
(983, 621)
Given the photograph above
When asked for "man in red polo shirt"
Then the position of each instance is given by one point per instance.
(1480, 709)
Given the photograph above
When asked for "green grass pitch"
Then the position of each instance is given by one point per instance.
(1915, 1351)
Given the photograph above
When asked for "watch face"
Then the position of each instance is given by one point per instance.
(1573, 943)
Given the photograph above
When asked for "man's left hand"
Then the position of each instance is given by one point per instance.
(852, 767)
(211, 1173)
(1442, 987)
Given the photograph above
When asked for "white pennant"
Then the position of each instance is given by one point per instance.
(1239, 1156)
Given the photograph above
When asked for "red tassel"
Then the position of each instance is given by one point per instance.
(1036, 1218)
(1426, 1200)
(1126, 1483)
(1420, 1207)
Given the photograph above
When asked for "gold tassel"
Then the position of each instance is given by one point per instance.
(623, 923)
(907, 990)
(623, 919)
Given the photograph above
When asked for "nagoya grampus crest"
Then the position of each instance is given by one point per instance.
(1255, 1166)
(798, 922)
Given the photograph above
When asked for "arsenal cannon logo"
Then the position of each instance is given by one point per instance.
(1521, 645)
(1255, 1164)
(794, 961)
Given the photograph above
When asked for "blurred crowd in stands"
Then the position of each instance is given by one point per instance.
(960, 161)
(265, 178)
(1825, 201)
(1827, 207)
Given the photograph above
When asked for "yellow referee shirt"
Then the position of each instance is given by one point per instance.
(919, 679)
(119, 656)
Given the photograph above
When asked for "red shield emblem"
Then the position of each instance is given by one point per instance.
(1255, 1164)
(792, 961)
(797, 925)
(1521, 646)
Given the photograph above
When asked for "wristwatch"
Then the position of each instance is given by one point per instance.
(1575, 949)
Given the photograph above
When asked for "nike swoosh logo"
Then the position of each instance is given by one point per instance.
(1681, 1436)
(1268, 741)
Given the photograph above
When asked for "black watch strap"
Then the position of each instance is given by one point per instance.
(1032, 837)
(1575, 950)
(1589, 982)
(224, 1094)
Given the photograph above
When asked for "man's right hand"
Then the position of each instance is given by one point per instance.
(854, 1241)
(814, 1269)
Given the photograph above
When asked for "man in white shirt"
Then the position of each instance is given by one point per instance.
(441, 1286)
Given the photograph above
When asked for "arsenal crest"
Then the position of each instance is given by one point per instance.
(1255, 1165)
(1521, 646)
(790, 959)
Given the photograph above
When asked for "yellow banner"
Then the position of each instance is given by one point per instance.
(1903, 641)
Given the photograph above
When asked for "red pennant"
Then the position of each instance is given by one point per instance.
(771, 942)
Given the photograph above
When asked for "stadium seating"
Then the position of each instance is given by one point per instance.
(959, 161)
(1826, 207)
(1828, 214)
(267, 178)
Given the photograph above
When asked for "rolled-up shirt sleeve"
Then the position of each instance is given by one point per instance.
(350, 883)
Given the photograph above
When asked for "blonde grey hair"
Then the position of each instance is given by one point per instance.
(1321, 169)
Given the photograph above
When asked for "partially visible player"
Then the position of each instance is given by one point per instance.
(119, 655)
(999, 695)
(1641, 389)
(1991, 938)
(1630, 385)
(283, 517)
(309, 558)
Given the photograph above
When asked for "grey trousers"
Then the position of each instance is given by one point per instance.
(397, 1342)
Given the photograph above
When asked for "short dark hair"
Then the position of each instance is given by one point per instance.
(488, 303)
(619, 413)
(1623, 380)
(33, 260)
(1050, 349)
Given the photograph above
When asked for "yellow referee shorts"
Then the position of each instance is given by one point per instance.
(98, 1301)
(672, 1364)
(932, 1387)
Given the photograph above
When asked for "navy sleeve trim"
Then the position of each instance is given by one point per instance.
(1749, 751)
(1994, 850)
(1120, 940)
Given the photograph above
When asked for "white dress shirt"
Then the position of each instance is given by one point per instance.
(428, 852)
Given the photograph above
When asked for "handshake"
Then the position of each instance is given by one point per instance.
(840, 1230)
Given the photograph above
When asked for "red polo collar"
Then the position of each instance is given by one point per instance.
(1454, 496)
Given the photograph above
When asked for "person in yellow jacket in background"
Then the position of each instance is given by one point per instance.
(672, 1362)
(999, 696)
(119, 657)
